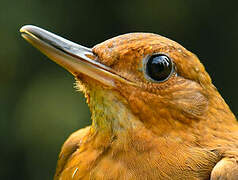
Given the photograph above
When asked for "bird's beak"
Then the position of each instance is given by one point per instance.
(73, 57)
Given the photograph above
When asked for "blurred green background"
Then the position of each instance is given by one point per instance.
(39, 108)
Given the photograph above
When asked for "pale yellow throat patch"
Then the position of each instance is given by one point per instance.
(109, 110)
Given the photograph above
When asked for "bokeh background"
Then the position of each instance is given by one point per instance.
(39, 108)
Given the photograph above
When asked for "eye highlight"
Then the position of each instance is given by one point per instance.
(158, 67)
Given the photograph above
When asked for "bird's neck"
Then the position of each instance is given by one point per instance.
(219, 111)
(110, 113)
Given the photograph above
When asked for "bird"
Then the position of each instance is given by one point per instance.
(155, 112)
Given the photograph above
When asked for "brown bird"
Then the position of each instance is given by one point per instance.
(155, 112)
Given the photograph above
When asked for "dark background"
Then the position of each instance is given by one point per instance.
(39, 108)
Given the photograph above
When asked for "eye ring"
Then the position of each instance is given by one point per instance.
(158, 67)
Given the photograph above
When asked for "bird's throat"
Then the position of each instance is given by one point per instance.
(110, 113)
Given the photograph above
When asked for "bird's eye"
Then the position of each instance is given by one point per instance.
(158, 67)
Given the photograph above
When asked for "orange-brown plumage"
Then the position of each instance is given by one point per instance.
(180, 128)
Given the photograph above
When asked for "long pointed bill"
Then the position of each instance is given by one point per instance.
(73, 57)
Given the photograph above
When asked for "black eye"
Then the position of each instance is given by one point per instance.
(159, 67)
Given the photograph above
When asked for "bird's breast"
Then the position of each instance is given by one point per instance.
(138, 155)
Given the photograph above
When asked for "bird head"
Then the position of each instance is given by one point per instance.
(137, 79)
